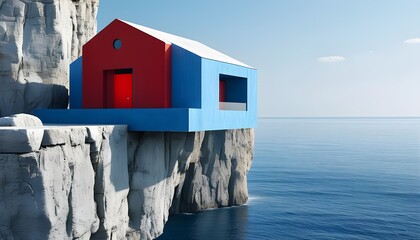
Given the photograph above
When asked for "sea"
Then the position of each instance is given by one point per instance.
(322, 178)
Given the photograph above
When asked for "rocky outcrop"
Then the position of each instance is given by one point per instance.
(20, 120)
(68, 188)
(109, 158)
(20, 140)
(185, 172)
(38, 41)
(102, 182)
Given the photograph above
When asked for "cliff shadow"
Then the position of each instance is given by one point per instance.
(156, 160)
(22, 202)
(18, 97)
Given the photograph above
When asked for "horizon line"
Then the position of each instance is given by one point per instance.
(345, 117)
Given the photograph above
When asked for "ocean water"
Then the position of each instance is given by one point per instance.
(322, 178)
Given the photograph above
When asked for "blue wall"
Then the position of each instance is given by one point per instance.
(76, 84)
(186, 79)
(210, 117)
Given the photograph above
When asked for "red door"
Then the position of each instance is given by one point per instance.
(123, 90)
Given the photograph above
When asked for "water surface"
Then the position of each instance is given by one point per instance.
(322, 178)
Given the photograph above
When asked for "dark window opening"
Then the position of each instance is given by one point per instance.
(117, 44)
(124, 71)
(232, 93)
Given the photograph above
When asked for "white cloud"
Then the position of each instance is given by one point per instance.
(412, 41)
(331, 59)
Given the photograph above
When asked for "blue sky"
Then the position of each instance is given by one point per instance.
(317, 58)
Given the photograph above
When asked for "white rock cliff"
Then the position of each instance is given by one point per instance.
(185, 172)
(38, 41)
(68, 187)
(102, 182)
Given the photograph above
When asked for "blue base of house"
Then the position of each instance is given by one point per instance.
(156, 120)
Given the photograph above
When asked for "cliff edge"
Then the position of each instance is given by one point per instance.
(102, 182)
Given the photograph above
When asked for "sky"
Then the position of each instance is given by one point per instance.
(315, 58)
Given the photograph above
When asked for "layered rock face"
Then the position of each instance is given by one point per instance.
(38, 41)
(102, 182)
(73, 186)
(185, 172)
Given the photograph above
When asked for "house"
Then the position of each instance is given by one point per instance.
(155, 81)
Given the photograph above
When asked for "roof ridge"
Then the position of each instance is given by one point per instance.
(190, 45)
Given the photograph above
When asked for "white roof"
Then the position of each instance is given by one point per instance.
(187, 44)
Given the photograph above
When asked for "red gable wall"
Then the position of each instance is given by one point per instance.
(149, 58)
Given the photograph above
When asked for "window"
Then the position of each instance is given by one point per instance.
(117, 44)
(232, 93)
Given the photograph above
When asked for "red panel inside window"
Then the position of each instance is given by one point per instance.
(123, 90)
(222, 91)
